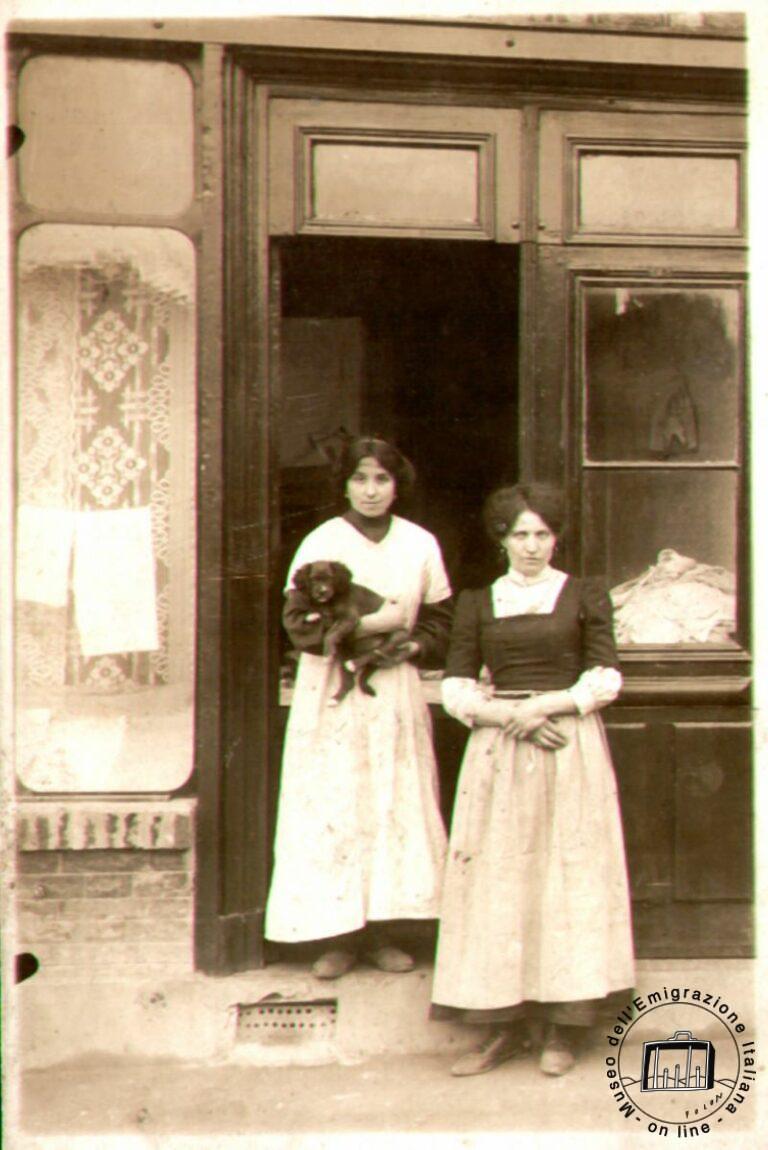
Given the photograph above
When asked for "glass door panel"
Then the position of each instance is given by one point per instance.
(661, 373)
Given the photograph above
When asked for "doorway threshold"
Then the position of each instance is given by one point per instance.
(195, 1016)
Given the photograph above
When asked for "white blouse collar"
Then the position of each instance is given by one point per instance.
(513, 594)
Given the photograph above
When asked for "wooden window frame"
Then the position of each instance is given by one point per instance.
(567, 134)
(611, 267)
(578, 147)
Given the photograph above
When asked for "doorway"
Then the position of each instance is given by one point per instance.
(413, 340)
(416, 341)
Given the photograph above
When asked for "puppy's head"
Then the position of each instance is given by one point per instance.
(323, 581)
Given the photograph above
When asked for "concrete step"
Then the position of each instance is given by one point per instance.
(282, 1015)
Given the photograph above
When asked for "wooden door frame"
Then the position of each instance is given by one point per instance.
(237, 681)
(232, 784)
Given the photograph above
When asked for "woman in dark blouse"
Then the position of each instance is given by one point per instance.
(535, 920)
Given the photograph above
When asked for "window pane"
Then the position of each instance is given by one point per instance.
(661, 373)
(390, 184)
(684, 194)
(106, 135)
(106, 539)
(666, 542)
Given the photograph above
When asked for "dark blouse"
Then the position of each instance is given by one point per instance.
(534, 652)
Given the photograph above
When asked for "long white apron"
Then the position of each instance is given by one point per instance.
(535, 904)
(359, 832)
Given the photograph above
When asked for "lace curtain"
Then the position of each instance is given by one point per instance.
(106, 424)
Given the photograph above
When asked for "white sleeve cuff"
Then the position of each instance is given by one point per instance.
(596, 688)
(462, 698)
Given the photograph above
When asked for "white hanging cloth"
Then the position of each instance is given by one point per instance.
(114, 582)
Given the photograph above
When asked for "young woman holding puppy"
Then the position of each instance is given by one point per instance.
(360, 840)
(535, 921)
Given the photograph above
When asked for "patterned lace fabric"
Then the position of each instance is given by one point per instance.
(105, 572)
(100, 351)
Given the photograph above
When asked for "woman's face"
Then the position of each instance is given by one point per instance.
(371, 488)
(530, 544)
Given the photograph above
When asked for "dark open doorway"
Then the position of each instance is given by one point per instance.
(417, 341)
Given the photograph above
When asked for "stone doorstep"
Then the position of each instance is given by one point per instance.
(194, 1017)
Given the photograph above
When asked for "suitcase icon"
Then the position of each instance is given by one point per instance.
(681, 1062)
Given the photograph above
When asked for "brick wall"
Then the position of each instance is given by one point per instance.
(106, 891)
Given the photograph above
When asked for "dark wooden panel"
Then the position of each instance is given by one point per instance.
(241, 940)
(693, 930)
(545, 409)
(684, 779)
(643, 762)
(233, 808)
(713, 839)
(210, 545)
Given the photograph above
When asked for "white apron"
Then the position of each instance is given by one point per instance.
(535, 903)
(359, 831)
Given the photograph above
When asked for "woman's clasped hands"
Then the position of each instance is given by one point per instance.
(530, 722)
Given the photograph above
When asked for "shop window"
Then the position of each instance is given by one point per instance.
(105, 524)
(662, 375)
(75, 112)
(661, 397)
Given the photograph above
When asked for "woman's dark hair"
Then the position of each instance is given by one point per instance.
(370, 447)
(504, 506)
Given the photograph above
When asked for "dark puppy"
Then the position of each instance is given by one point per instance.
(338, 603)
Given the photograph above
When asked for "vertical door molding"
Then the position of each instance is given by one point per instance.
(232, 860)
(208, 746)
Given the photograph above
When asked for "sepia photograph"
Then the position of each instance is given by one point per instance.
(382, 671)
